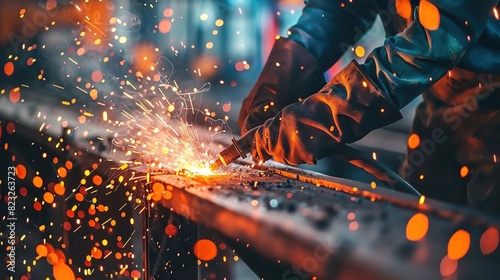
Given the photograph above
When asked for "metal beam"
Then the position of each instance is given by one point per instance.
(331, 228)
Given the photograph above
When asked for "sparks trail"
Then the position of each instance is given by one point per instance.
(81, 73)
(162, 130)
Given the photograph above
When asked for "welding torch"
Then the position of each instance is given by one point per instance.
(241, 146)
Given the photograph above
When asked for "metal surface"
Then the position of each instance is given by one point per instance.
(241, 146)
(308, 223)
(375, 168)
(330, 228)
(238, 149)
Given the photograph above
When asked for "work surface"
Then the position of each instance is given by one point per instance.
(332, 228)
(310, 224)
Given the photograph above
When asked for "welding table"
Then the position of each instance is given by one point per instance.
(287, 223)
(296, 224)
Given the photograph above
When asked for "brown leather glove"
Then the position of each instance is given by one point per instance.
(365, 97)
(291, 73)
(345, 110)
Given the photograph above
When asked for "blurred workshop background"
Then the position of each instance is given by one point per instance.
(224, 43)
(60, 55)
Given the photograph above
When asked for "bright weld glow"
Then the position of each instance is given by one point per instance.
(159, 127)
(149, 122)
(200, 170)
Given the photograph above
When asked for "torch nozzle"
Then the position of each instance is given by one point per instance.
(214, 166)
(239, 148)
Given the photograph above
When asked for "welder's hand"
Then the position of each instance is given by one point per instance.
(345, 110)
(291, 137)
(291, 73)
(258, 113)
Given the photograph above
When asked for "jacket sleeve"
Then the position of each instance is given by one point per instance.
(327, 27)
(365, 97)
(441, 34)
(295, 67)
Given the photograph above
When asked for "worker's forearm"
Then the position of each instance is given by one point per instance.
(326, 27)
(362, 98)
(294, 69)
(415, 59)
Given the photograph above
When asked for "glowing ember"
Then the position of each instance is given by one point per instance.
(201, 170)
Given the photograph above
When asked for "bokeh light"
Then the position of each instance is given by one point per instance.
(417, 227)
(205, 249)
(458, 245)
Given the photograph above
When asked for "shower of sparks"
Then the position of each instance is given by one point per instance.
(119, 111)
(117, 99)
(161, 134)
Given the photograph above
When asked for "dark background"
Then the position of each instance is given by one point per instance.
(39, 37)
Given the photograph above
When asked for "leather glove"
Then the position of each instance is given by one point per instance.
(365, 97)
(290, 74)
(345, 110)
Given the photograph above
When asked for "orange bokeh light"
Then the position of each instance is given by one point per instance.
(171, 230)
(168, 12)
(62, 271)
(11, 128)
(164, 26)
(413, 141)
(97, 180)
(8, 68)
(41, 250)
(68, 164)
(97, 76)
(156, 197)
(417, 227)
(136, 274)
(459, 244)
(79, 197)
(429, 15)
(21, 171)
(403, 7)
(48, 197)
(60, 255)
(464, 171)
(353, 226)
(62, 172)
(489, 241)
(447, 266)
(205, 249)
(37, 181)
(15, 95)
(96, 253)
(158, 188)
(93, 94)
(52, 258)
(51, 5)
(37, 206)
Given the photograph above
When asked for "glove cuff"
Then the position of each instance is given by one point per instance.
(291, 73)
(344, 111)
(361, 100)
